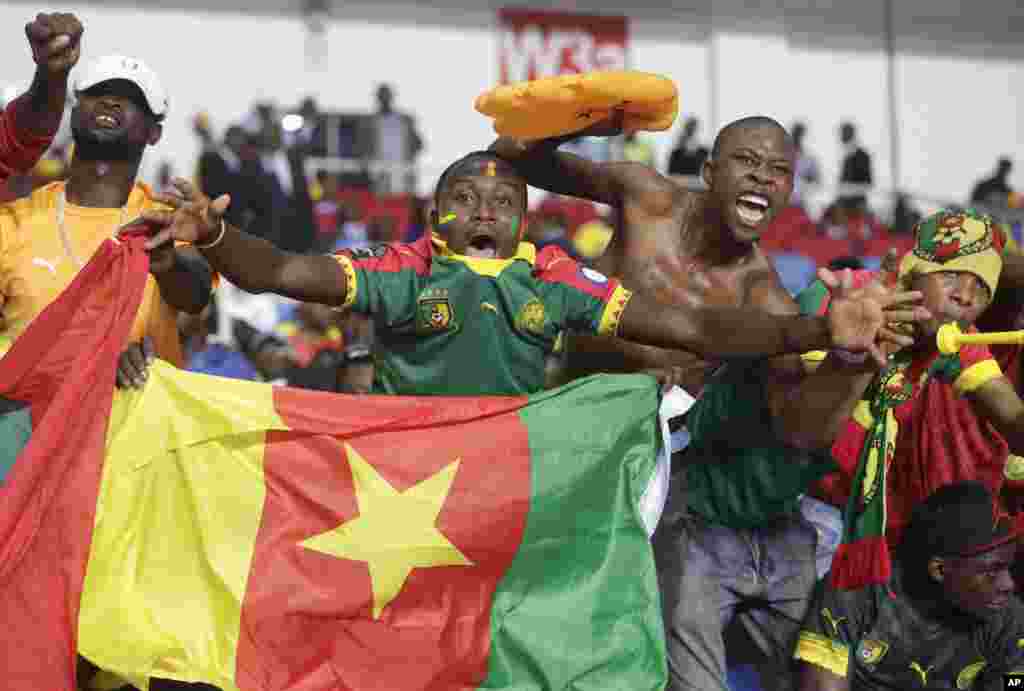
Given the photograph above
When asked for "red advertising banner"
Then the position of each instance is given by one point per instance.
(541, 43)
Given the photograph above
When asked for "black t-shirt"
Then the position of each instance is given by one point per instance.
(874, 637)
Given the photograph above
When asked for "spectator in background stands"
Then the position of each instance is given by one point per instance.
(548, 227)
(688, 156)
(209, 355)
(905, 215)
(293, 225)
(856, 169)
(309, 135)
(327, 211)
(807, 171)
(419, 218)
(354, 233)
(995, 191)
(390, 138)
(230, 168)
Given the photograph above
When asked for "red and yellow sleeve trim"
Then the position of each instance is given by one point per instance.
(613, 310)
(823, 652)
(351, 281)
(976, 376)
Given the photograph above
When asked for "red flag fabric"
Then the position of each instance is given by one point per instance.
(47, 500)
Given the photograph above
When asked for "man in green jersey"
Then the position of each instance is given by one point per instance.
(473, 310)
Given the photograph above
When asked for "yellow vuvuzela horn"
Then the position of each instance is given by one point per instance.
(951, 339)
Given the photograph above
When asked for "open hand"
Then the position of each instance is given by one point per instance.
(56, 41)
(195, 218)
(859, 319)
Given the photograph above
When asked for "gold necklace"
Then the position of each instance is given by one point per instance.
(62, 230)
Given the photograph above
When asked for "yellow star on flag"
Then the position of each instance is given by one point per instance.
(395, 532)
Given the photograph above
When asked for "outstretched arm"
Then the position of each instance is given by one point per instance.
(854, 323)
(721, 332)
(251, 263)
(833, 389)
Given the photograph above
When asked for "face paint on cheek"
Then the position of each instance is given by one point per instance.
(447, 218)
(517, 229)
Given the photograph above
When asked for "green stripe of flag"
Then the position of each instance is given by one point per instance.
(579, 607)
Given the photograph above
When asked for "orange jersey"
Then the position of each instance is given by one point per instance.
(37, 262)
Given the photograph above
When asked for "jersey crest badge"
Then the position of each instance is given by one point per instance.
(434, 312)
(531, 317)
(869, 652)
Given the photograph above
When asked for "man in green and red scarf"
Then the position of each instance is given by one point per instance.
(906, 432)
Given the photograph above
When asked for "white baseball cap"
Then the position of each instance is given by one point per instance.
(119, 67)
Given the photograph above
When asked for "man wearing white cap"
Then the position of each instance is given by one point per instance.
(46, 238)
(29, 122)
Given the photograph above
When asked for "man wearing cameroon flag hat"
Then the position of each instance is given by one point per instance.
(909, 434)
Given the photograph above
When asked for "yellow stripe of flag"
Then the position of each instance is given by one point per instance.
(213, 499)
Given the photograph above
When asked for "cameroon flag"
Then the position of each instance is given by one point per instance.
(268, 539)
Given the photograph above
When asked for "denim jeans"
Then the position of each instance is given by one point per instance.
(710, 574)
(827, 521)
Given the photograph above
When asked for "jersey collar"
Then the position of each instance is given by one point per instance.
(482, 265)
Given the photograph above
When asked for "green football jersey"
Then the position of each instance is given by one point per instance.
(447, 324)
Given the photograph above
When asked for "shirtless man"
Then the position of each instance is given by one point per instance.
(672, 240)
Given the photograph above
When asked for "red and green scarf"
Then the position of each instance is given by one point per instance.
(868, 444)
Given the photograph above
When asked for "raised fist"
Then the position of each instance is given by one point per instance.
(56, 41)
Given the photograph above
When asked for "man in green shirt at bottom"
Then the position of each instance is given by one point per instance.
(473, 310)
(946, 619)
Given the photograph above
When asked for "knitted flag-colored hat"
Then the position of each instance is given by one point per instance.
(957, 241)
